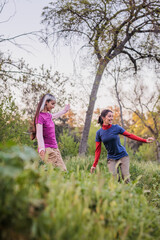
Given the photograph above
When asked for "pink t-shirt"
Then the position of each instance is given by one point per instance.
(48, 129)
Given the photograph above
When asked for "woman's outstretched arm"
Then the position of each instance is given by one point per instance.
(134, 137)
(58, 114)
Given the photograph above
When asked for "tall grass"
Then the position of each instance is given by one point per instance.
(73, 205)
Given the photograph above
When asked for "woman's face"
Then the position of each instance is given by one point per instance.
(50, 105)
(108, 119)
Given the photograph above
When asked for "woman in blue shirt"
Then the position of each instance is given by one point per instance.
(117, 155)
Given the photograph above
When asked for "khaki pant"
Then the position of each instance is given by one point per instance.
(123, 164)
(53, 156)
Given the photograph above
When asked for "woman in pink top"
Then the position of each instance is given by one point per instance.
(44, 131)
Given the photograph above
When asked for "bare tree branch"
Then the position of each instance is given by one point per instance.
(132, 59)
(18, 36)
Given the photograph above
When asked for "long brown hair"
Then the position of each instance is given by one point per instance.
(32, 129)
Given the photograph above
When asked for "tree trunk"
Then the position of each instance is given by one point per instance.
(158, 151)
(89, 113)
(121, 111)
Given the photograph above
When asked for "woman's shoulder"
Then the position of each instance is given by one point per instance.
(43, 117)
(118, 128)
(116, 125)
(45, 114)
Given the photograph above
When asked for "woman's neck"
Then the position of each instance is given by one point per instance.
(105, 127)
(45, 110)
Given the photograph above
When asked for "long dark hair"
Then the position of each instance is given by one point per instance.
(32, 130)
(103, 114)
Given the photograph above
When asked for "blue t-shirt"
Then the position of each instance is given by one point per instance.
(111, 141)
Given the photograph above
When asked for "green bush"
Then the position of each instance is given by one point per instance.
(67, 145)
(22, 192)
(149, 181)
(13, 127)
(92, 144)
(41, 203)
(146, 152)
(85, 206)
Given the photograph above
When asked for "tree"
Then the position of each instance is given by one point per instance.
(71, 118)
(115, 74)
(21, 87)
(28, 84)
(109, 28)
(146, 106)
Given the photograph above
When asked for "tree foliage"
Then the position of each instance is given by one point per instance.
(21, 87)
(14, 127)
(27, 84)
(109, 28)
(145, 109)
(106, 25)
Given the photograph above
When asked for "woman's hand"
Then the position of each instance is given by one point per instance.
(92, 169)
(150, 140)
(42, 154)
(67, 107)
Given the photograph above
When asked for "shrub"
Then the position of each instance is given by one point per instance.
(146, 152)
(41, 203)
(87, 206)
(13, 127)
(149, 181)
(67, 145)
(21, 190)
(91, 142)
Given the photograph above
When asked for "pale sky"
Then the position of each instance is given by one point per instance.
(22, 16)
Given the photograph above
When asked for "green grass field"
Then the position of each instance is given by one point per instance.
(42, 203)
